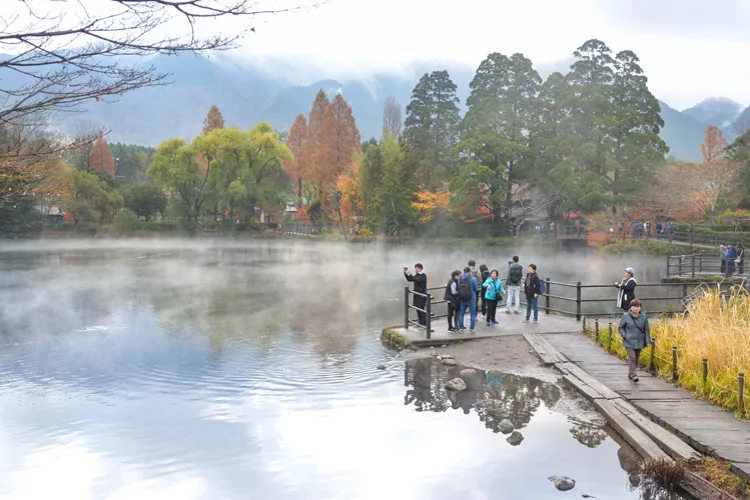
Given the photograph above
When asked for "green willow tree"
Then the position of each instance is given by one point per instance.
(174, 165)
(431, 131)
(392, 204)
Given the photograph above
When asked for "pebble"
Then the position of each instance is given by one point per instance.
(381, 367)
(449, 362)
(505, 426)
(515, 438)
(563, 483)
(455, 385)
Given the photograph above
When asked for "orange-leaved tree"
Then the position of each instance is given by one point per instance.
(53, 185)
(430, 203)
(338, 140)
(350, 202)
(716, 175)
(214, 119)
(311, 147)
(101, 158)
(298, 164)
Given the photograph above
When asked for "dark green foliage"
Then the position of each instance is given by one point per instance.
(739, 152)
(131, 163)
(145, 201)
(20, 220)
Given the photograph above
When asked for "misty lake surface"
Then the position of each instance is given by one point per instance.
(212, 369)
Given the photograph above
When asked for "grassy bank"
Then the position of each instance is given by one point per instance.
(651, 247)
(715, 327)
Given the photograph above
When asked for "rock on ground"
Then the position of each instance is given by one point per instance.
(515, 438)
(381, 367)
(455, 385)
(563, 483)
(505, 426)
(449, 362)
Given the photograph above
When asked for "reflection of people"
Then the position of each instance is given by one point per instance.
(419, 278)
(451, 297)
(635, 336)
(627, 289)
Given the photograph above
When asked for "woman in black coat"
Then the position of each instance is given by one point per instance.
(627, 289)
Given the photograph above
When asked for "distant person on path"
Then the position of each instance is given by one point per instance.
(532, 289)
(484, 273)
(478, 276)
(741, 257)
(419, 278)
(635, 336)
(723, 250)
(493, 290)
(513, 282)
(468, 291)
(731, 257)
(451, 297)
(627, 289)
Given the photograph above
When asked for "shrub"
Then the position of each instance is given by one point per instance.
(126, 220)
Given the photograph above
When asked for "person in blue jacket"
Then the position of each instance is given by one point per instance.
(468, 290)
(493, 290)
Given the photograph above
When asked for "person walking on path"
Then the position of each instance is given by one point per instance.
(484, 273)
(419, 278)
(493, 290)
(451, 297)
(627, 289)
(741, 257)
(478, 276)
(723, 250)
(515, 277)
(468, 291)
(635, 336)
(532, 288)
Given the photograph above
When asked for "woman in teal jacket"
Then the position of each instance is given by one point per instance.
(493, 294)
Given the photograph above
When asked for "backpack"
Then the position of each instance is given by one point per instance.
(516, 273)
(542, 287)
(464, 289)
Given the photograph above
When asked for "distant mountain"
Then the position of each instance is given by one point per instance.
(247, 94)
(682, 133)
(718, 111)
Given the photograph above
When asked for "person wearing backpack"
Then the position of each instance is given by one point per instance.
(493, 291)
(468, 290)
(451, 297)
(419, 278)
(513, 282)
(532, 287)
(484, 273)
(731, 257)
(635, 336)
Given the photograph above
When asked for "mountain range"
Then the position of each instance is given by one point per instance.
(247, 93)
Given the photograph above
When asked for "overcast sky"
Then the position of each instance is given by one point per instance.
(689, 49)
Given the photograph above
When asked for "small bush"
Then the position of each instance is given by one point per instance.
(126, 220)
(664, 473)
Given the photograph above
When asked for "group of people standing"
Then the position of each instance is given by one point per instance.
(480, 290)
(732, 257)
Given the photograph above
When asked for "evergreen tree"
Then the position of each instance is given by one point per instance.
(370, 173)
(431, 131)
(393, 207)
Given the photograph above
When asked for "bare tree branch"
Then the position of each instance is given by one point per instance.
(67, 52)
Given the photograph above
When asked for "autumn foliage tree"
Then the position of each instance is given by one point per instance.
(297, 165)
(716, 174)
(101, 158)
(213, 120)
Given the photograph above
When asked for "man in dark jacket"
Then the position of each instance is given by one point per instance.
(531, 288)
(731, 257)
(451, 297)
(419, 278)
(513, 285)
(627, 289)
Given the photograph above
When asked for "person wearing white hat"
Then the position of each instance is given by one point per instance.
(627, 289)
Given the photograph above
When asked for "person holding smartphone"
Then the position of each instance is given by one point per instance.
(419, 278)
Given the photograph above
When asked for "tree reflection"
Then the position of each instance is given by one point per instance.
(586, 433)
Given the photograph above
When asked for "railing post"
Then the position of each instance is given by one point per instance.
(406, 307)
(546, 299)
(700, 263)
(691, 241)
(669, 259)
(428, 314)
(651, 363)
(596, 330)
(674, 363)
(693, 266)
(679, 268)
(705, 372)
(741, 382)
(578, 301)
(584, 324)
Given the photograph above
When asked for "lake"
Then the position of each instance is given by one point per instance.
(216, 369)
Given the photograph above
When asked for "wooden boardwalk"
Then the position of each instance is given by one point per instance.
(704, 426)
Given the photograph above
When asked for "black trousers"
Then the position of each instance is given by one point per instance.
(452, 316)
(491, 310)
(420, 302)
(742, 266)
(730, 269)
(723, 266)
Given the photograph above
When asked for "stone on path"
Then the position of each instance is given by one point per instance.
(505, 426)
(563, 483)
(455, 385)
(447, 356)
(381, 367)
(515, 438)
(449, 362)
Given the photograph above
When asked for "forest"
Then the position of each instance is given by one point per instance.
(578, 146)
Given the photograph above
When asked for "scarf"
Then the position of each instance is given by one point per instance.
(621, 294)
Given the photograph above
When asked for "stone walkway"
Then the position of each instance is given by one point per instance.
(702, 425)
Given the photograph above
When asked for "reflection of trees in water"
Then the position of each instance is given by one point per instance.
(515, 398)
(586, 433)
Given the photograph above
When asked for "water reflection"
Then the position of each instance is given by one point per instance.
(494, 397)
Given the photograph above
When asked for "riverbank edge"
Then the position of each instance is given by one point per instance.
(648, 436)
(653, 247)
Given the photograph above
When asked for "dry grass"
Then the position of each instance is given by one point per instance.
(714, 326)
(664, 473)
(717, 473)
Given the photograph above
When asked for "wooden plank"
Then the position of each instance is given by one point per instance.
(629, 431)
(591, 381)
(541, 349)
(588, 392)
(674, 446)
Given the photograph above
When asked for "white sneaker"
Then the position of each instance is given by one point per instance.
(534, 322)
